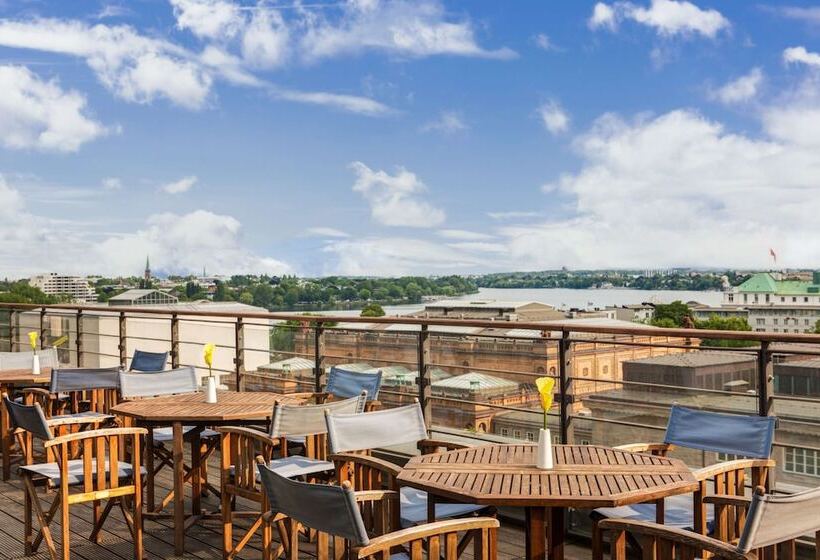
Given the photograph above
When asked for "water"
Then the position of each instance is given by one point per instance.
(564, 298)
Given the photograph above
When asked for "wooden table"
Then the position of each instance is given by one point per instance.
(583, 477)
(231, 408)
(8, 379)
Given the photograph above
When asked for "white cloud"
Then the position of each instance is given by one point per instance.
(666, 17)
(740, 89)
(350, 103)
(543, 42)
(326, 232)
(800, 55)
(112, 184)
(40, 115)
(409, 28)
(512, 215)
(810, 15)
(265, 42)
(554, 117)
(212, 19)
(603, 16)
(395, 199)
(448, 122)
(180, 186)
(463, 235)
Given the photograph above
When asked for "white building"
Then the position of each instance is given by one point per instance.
(54, 284)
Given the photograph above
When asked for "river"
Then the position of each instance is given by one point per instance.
(564, 298)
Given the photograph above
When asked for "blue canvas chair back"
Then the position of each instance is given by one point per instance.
(325, 508)
(84, 379)
(734, 434)
(345, 384)
(29, 418)
(148, 362)
(171, 382)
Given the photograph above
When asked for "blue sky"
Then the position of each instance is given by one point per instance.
(424, 137)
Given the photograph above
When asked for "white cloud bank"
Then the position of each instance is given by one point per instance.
(180, 243)
(666, 17)
(799, 55)
(395, 200)
(38, 114)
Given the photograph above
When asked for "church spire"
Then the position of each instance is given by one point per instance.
(147, 270)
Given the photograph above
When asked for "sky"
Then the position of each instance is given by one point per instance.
(378, 137)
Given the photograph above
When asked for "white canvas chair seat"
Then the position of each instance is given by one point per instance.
(296, 465)
(162, 435)
(678, 512)
(51, 471)
(414, 508)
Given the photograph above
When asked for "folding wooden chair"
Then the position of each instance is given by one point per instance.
(334, 514)
(99, 474)
(158, 456)
(242, 446)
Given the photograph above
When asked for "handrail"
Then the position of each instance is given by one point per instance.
(552, 326)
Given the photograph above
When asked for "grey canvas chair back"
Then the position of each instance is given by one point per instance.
(29, 418)
(775, 519)
(344, 384)
(382, 428)
(309, 419)
(172, 382)
(325, 508)
(148, 362)
(23, 360)
(735, 434)
(84, 379)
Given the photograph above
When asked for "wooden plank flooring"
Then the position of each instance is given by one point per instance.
(203, 541)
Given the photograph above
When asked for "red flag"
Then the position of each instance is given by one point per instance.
(773, 254)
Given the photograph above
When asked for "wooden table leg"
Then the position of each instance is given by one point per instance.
(536, 532)
(179, 490)
(150, 500)
(557, 526)
(6, 435)
(196, 472)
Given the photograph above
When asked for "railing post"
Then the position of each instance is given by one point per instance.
(14, 328)
(42, 328)
(765, 380)
(565, 386)
(318, 356)
(79, 341)
(174, 341)
(239, 354)
(423, 380)
(122, 347)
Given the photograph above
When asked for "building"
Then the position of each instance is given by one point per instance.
(639, 312)
(491, 310)
(775, 303)
(53, 284)
(724, 371)
(142, 297)
(798, 378)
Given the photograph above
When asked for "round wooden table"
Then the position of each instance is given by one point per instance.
(9, 378)
(232, 408)
(584, 476)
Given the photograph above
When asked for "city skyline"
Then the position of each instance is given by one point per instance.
(387, 138)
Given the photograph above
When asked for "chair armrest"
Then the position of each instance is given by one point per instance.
(427, 446)
(652, 448)
(726, 500)
(706, 473)
(376, 495)
(681, 536)
(405, 536)
(385, 467)
(45, 393)
(78, 420)
(371, 406)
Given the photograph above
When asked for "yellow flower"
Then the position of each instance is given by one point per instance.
(545, 386)
(32, 339)
(209, 354)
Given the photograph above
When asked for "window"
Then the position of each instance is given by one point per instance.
(517, 434)
(722, 457)
(505, 431)
(585, 372)
(806, 299)
(794, 300)
(767, 298)
(775, 321)
(802, 461)
(556, 439)
(530, 436)
(761, 321)
(605, 371)
(585, 442)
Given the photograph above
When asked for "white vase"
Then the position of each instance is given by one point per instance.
(543, 457)
(35, 365)
(210, 389)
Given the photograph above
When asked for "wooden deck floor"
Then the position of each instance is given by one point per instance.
(203, 541)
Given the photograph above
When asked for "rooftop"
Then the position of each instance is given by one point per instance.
(474, 381)
(764, 282)
(695, 359)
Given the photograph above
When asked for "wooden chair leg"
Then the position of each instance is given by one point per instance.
(597, 541)
(28, 536)
(98, 523)
(45, 532)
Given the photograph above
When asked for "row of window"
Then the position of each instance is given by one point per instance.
(530, 436)
(806, 322)
(798, 460)
(768, 298)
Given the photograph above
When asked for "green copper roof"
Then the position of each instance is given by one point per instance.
(764, 283)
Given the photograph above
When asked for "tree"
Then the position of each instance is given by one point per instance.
(364, 294)
(372, 310)
(817, 327)
(725, 324)
(219, 294)
(246, 298)
(676, 312)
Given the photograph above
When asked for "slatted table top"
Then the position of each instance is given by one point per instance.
(192, 407)
(584, 476)
(24, 375)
